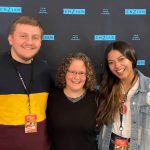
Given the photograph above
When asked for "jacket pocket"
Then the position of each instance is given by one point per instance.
(145, 124)
(145, 113)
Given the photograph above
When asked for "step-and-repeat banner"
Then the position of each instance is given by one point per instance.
(83, 26)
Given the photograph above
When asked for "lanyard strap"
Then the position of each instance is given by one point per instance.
(27, 90)
(122, 103)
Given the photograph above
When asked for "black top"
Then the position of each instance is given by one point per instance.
(72, 125)
(9, 78)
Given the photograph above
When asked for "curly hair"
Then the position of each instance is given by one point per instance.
(90, 83)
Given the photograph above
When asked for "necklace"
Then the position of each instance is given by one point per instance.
(77, 98)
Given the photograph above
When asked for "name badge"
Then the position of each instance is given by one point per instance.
(121, 144)
(30, 123)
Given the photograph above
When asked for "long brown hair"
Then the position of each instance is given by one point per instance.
(108, 97)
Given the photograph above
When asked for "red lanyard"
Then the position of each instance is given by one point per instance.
(123, 107)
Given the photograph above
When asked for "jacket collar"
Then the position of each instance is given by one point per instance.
(144, 82)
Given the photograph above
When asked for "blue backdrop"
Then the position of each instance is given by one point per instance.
(85, 26)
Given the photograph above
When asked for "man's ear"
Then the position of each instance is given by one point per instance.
(10, 39)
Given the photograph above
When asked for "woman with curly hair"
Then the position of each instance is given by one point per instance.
(71, 109)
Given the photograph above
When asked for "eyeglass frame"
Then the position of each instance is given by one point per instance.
(75, 73)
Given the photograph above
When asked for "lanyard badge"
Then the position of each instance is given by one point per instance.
(30, 123)
(121, 144)
(30, 119)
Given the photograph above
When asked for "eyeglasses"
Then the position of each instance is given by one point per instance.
(81, 74)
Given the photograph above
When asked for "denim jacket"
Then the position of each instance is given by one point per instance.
(140, 119)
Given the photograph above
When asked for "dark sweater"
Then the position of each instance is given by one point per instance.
(72, 125)
(14, 105)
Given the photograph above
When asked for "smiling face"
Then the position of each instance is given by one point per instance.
(25, 42)
(76, 76)
(120, 66)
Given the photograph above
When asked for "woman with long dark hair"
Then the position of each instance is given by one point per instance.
(123, 101)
